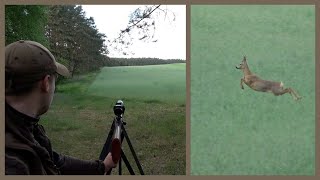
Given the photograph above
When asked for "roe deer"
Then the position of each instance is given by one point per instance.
(257, 84)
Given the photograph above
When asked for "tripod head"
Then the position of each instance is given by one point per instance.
(119, 108)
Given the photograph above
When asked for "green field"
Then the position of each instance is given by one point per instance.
(82, 113)
(244, 132)
(150, 83)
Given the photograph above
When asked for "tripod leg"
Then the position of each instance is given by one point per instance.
(106, 147)
(132, 150)
(125, 160)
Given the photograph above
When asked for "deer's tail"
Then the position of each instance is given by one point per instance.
(281, 84)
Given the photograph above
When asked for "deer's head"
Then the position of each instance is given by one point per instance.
(243, 63)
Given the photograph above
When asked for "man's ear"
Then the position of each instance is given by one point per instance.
(45, 83)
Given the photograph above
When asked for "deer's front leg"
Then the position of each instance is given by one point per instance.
(241, 83)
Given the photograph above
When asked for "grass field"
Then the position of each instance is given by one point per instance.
(244, 132)
(82, 113)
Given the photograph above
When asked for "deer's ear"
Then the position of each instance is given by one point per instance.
(244, 58)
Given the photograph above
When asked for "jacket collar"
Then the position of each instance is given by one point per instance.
(20, 118)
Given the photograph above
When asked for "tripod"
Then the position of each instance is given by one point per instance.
(115, 137)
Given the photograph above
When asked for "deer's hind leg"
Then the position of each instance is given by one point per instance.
(279, 92)
(295, 94)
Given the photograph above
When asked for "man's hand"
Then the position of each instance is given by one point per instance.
(108, 162)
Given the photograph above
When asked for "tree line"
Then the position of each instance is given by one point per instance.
(140, 61)
(72, 37)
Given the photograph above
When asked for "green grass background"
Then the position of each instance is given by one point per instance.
(244, 132)
(81, 114)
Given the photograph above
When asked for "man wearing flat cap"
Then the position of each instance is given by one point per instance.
(30, 74)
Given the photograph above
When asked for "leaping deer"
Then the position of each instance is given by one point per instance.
(258, 84)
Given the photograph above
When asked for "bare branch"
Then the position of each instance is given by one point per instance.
(145, 16)
(141, 26)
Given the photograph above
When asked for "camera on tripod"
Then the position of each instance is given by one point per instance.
(119, 108)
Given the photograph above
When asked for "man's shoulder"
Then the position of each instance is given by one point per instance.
(21, 159)
(15, 165)
(18, 151)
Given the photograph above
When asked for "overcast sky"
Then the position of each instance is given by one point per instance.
(171, 44)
